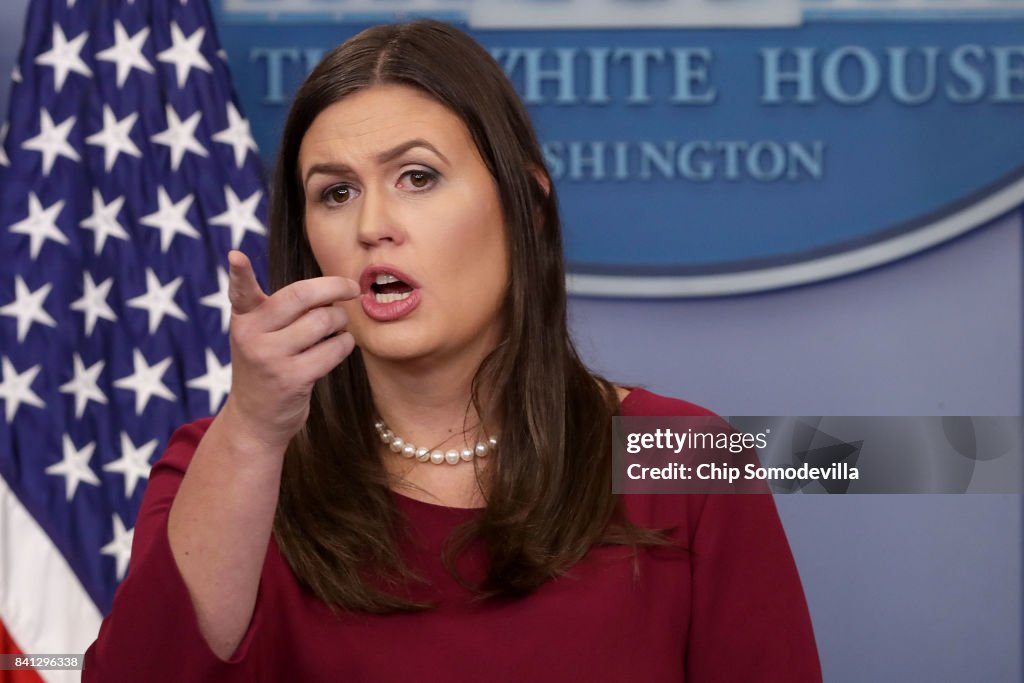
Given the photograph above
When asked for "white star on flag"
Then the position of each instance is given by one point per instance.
(240, 216)
(16, 388)
(52, 141)
(84, 386)
(220, 300)
(184, 53)
(126, 53)
(133, 463)
(41, 224)
(75, 467)
(63, 56)
(121, 547)
(93, 302)
(180, 136)
(158, 300)
(170, 219)
(103, 220)
(115, 137)
(146, 381)
(216, 381)
(27, 307)
(237, 134)
(4, 160)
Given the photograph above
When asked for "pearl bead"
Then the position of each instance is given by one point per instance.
(493, 441)
(480, 450)
(397, 444)
(379, 425)
(423, 454)
(408, 450)
(437, 457)
(387, 435)
(466, 454)
(452, 457)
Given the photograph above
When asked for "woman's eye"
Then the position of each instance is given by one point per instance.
(337, 194)
(420, 179)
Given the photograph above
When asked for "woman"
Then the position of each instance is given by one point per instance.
(412, 474)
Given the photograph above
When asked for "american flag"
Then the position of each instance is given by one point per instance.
(127, 172)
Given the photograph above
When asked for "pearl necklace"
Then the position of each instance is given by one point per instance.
(453, 457)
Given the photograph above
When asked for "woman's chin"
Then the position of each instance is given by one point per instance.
(415, 345)
(394, 350)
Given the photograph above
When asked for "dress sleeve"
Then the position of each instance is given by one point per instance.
(749, 619)
(152, 632)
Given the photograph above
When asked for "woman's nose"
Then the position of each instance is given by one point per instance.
(377, 221)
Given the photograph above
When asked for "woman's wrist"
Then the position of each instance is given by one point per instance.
(249, 435)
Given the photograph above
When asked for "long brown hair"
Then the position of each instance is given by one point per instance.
(549, 500)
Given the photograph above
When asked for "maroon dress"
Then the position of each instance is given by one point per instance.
(732, 609)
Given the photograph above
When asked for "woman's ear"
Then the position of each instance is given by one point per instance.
(541, 190)
(542, 178)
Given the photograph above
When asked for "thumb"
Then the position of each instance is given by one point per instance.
(244, 291)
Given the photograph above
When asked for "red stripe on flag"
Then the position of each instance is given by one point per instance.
(9, 647)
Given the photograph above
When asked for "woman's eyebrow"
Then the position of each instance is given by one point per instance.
(399, 150)
(382, 158)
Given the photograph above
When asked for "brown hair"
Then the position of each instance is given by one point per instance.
(549, 500)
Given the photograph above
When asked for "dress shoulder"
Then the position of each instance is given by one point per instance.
(641, 402)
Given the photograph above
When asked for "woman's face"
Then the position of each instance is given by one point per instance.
(399, 200)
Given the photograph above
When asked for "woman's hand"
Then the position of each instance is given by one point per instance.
(280, 346)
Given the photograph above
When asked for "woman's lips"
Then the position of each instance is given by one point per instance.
(392, 307)
(391, 310)
(369, 275)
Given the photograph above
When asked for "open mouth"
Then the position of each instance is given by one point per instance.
(388, 288)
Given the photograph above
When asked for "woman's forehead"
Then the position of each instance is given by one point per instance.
(370, 122)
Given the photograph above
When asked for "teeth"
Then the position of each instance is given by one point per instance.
(388, 298)
(385, 278)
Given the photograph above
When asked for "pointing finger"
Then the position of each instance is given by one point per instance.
(244, 291)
